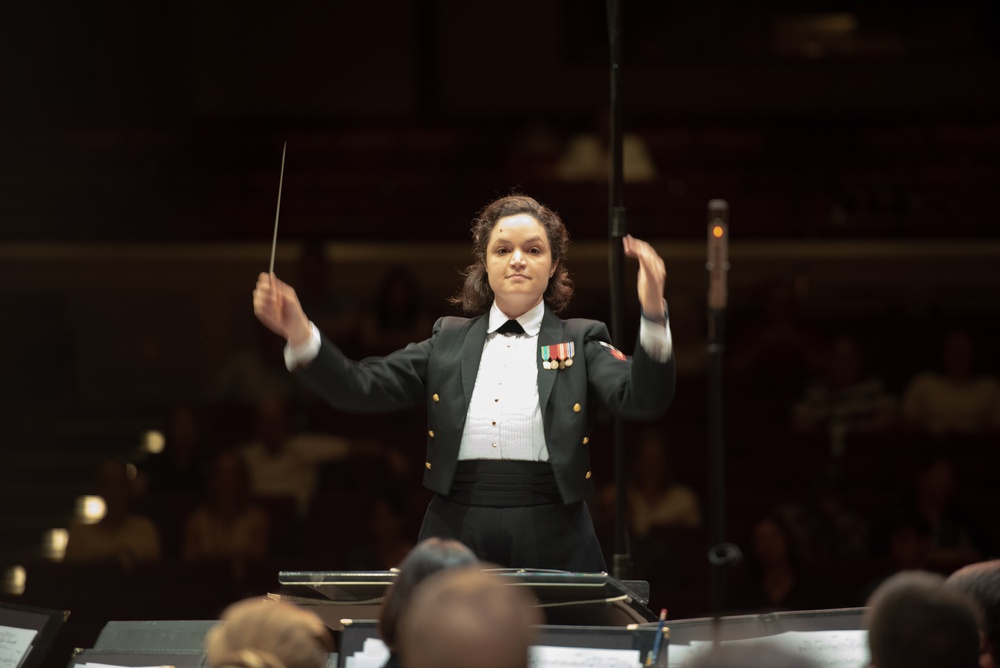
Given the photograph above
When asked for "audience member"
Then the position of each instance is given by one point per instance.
(252, 371)
(956, 400)
(655, 497)
(901, 536)
(333, 312)
(398, 316)
(824, 526)
(914, 621)
(845, 399)
(427, 558)
(387, 546)
(182, 465)
(285, 464)
(956, 535)
(121, 534)
(776, 580)
(982, 583)
(259, 633)
(533, 151)
(466, 617)
(587, 157)
(227, 525)
(777, 351)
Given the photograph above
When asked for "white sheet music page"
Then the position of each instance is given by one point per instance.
(545, 656)
(15, 644)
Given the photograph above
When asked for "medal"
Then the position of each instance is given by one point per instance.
(558, 356)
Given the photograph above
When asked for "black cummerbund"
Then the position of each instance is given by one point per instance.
(503, 483)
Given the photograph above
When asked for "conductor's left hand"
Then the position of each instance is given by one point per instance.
(277, 306)
(652, 276)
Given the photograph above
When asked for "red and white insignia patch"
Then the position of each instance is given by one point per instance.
(617, 354)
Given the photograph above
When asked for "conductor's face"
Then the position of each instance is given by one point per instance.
(519, 263)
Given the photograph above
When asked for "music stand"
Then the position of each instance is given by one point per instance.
(45, 621)
(569, 599)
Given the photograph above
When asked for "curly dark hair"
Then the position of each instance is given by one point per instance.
(476, 295)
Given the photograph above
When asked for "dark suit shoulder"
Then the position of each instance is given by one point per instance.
(584, 327)
(452, 322)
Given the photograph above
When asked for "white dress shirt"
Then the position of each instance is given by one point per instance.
(505, 419)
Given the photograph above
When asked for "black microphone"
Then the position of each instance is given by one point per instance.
(718, 253)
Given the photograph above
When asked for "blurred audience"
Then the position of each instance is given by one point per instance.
(227, 525)
(253, 371)
(533, 151)
(956, 536)
(776, 351)
(957, 399)
(333, 312)
(463, 617)
(587, 157)
(655, 497)
(775, 577)
(846, 398)
(388, 545)
(260, 633)
(901, 538)
(121, 534)
(914, 621)
(427, 558)
(824, 526)
(182, 465)
(282, 463)
(981, 582)
(398, 315)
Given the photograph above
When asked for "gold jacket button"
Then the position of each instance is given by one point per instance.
(430, 432)
(586, 476)
(576, 408)
(435, 397)
(586, 440)
(428, 465)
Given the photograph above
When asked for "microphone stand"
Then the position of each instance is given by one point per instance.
(721, 554)
(622, 563)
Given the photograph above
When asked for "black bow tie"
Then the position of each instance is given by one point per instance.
(511, 327)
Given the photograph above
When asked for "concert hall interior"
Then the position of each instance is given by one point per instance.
(857, 145)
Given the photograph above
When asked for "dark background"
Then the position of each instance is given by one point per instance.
(856, 142)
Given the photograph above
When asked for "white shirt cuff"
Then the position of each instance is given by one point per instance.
(302, 354)
(655, 339)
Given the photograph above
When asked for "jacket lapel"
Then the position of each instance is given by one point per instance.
(472, 354)
(550, 334)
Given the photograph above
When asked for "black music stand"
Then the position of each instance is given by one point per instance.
(45, 621)
(569, 599)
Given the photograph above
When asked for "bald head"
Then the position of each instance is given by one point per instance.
(982, 582)
(465, 617)
(914, 621)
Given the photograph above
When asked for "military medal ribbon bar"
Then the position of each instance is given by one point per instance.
(558, 356)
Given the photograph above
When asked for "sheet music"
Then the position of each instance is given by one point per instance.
(826, 649)
(373, 654)
(678, 656)
(545, 656)
(15, 644)
(837, 649)
(109, 665)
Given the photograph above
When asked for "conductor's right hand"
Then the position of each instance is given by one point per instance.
(276, 305)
